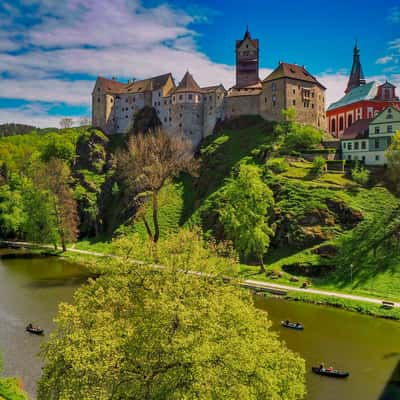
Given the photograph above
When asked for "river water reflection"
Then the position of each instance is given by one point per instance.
(31, 289)
(367, 347)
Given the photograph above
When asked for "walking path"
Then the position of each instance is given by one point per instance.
(249, 283)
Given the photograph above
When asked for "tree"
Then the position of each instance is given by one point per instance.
(140, 333)
(149, 161)
(302, 138)
(246, 200)
(59, 147)
(66, 123)
(54, 177)
(84, 121)
(393, 158)
(41, 224)
(289, 118)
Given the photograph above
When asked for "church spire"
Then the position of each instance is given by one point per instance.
(356, 78)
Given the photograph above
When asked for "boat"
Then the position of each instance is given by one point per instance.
(292, 325)
(332, 373)
(34, 329)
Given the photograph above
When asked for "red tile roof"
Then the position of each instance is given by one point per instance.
(292, 71)
(188, 84)
(114, 87)
(358, 130)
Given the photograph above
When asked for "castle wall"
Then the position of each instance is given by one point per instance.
(213, 110)
(235, 106)
(125, 108)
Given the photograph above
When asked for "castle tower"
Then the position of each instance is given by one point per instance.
(247, 61)
(356, 78)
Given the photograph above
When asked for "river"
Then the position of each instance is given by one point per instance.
(31, 289)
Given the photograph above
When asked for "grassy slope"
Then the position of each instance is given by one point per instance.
(187, 201)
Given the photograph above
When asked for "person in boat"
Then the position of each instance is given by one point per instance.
(321, 367)
(330, 369)
(297, 324)
(29, 326)
(287, 322)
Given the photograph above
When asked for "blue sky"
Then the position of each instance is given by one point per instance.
(51, 51)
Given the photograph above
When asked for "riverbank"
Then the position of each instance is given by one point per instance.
(365, 305)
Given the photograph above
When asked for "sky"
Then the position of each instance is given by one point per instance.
(51, 51)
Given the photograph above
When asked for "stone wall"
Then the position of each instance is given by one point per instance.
(235, 106)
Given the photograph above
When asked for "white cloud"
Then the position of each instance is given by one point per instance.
(394, 15)
(384, 60)
(31, 115)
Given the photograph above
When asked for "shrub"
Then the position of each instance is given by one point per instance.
(302, 138)
(277, 165)
(319, 165)
(360, 175)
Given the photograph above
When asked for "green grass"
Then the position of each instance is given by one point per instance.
(10, 390)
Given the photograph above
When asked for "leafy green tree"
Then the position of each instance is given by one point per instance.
(393, 158)
(246, 201)
(288, 121)
(41, 224)
(143, 333)
(12, 215)
(360, 174)
(54, 178)
(61, 148)
(302, 138)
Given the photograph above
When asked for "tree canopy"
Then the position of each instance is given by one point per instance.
(245, 203)
(141, 332)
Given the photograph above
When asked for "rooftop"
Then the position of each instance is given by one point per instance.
(363, 92)
(358, 130)
(292, 71)
(188, 84)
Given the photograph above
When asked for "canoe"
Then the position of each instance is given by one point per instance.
(34, 329)
(292, 325)
(334, 374)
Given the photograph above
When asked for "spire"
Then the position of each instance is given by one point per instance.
(247, 33)
(188, 84)
(356, 78)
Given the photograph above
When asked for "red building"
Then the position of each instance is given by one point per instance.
(361, 100)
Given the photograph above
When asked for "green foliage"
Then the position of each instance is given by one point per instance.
(144, 333)
(40, 226)
(61, 148)
(245, 203)
(302, 138)
(277, 165)
(319, 165)
(360, 174)
(10, 390)
(393, 158)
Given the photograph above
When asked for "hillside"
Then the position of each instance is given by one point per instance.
(323, 225)
(328, 229)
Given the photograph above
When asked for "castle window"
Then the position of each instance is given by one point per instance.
(349, 157)
(294, 91)
(390, 128)
(159, 94)
(190, 97)
(126, 116)
(265, 100)
(180, 97)
(210, 98)
(294, 102)
(133, 99)
(165, 119)
(165, 102)
(306, 103)
(363, 145)
(173, 98)
(111, 100)
(349, 146)
(312, 105)
(341, 124)
(180, 125)
(376, 158)
(356, 145)
(344, 145)
(312, 94)
(98, 89)
(98, 100)
(126, 100)
(376, 143)
(273, 86)
(180, 115)
(377, 130)
(389, 116)
(274, 100)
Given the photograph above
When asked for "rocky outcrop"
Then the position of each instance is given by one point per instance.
(347, 217)
(308, 269)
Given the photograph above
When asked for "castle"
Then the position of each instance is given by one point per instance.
(192, 111)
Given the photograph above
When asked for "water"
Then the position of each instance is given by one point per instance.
(31, 289)
(368, 348)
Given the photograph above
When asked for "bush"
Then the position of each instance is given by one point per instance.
(302, 138)
(360, 175)
(277, 165)
(319, 165)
